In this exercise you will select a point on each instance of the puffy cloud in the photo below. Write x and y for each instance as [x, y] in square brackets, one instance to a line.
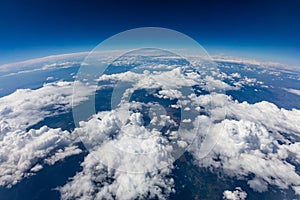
[21, 152]
[265, 113]
[237, 194]
[236, 81]
[124, 136]
[99, 182]
[36, 168]
[173, 84]
[249, 140]
[172, 79]
[236, 75]
[62, 154]
[213, 84]
[126, 160]
[26, 107]
[171, 94]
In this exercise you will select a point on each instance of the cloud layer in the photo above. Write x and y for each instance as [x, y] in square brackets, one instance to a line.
[250, 142]
[21, 152]
[258, 143]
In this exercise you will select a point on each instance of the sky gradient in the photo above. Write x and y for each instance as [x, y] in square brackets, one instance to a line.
[264, 30]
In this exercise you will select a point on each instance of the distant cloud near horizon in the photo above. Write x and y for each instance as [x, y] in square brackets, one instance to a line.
[43, 63]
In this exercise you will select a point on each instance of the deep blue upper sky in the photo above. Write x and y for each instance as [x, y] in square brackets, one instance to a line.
[266, 30]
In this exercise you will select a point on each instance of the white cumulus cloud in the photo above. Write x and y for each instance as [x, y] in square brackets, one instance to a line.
[237, 194]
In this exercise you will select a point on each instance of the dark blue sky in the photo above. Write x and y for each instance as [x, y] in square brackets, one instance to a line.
[266, 30]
